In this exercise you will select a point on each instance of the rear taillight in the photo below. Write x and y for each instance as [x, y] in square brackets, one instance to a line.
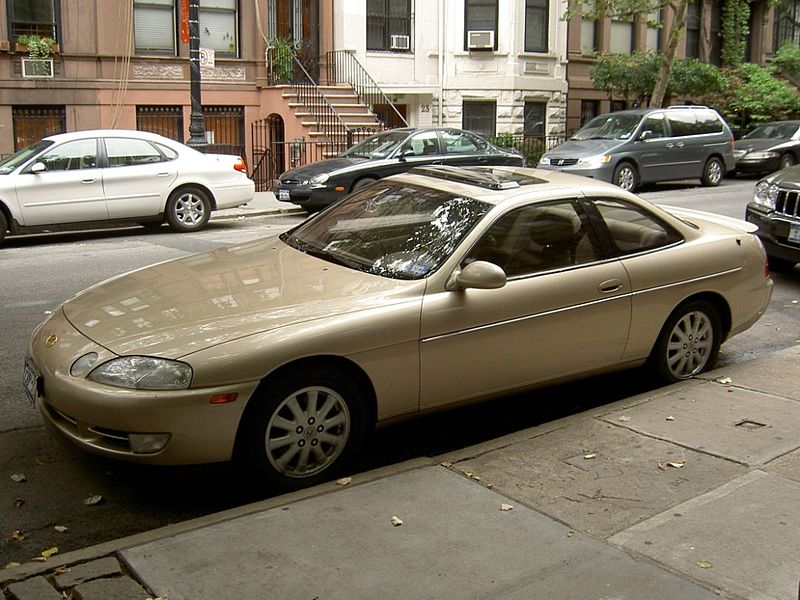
[240, 165]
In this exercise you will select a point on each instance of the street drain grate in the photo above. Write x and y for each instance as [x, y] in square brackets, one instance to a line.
[749, 425]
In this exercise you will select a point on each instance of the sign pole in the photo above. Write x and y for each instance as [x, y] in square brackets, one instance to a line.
[197, 132]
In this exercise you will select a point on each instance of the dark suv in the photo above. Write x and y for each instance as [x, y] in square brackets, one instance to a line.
[775, 208]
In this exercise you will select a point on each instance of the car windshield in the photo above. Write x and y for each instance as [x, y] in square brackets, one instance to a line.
[608, 127]
[393, 230]
[773, 131]
[12, 162]
[377, 146]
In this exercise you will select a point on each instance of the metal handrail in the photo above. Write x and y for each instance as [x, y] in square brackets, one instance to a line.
[343, 67]
[285, 68]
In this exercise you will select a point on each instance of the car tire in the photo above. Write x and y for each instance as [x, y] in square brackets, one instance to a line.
[188, 209]
[3, 227]
[362, 183]
[303, 429]
[713, 172]
[780, 265]
[626, 177]
[787, 160]
[688, 343]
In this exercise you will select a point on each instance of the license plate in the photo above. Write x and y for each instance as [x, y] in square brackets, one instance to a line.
[283, 195]
[794, 233]
[31, 379]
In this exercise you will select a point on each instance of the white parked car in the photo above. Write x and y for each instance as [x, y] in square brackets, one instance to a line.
[117, 175]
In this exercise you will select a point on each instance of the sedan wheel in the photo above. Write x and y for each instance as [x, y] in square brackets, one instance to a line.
[712, 172]
[689, 342]
[188, 209]
[787, 160]
[3, 227]
[304, 430]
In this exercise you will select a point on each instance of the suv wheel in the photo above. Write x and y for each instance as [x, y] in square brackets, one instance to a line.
[626, 177]
[713, 172]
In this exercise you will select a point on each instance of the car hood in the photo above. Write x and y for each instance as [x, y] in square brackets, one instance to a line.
[329, 166]
[787, 178]
[181, 306]
[756, 144]
[582, 148]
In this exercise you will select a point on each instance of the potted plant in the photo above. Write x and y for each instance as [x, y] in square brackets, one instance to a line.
[38, 63]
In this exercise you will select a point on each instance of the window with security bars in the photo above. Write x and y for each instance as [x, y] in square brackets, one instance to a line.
[479, 117]
[219, 26]
[787, 23]
[163, 120]
[224, 127]
[154, 26]
[480, 15]
[389, 25]
[536, 21]
[33, 17]
[535, 119]
[32, 123]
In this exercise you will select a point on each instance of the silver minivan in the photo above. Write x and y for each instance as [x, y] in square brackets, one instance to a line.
[632, 147]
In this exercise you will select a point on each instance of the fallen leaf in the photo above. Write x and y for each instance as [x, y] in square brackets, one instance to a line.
[344, 481]
[704, 564]
[60, 570]
[397, 521]
[506, 507]
[723, 380]
[589, 456]
[17, 535]
[678, 464]
[624, 419]
[570, 533]
[12, 564]
[39, 558]
[446, 463]
[60, 528]
[490, 485]
[19, 501]
[19, 478]
[49, 552]
[670, 418]
[93, 500]
[662, 466]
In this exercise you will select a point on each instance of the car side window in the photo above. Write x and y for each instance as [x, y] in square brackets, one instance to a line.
[633, 229]
[682, 122]
[538, 238]
[423, 144]
[656, 125]
[71, 156]
[125, 152]
[460, 142]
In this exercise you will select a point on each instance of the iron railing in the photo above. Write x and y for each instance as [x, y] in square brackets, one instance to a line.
[286, 69]
[343, 67]
[531, 146]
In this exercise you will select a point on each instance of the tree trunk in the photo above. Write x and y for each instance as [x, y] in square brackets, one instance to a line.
[676, 30]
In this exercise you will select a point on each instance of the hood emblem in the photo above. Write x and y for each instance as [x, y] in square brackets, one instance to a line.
[51, 341]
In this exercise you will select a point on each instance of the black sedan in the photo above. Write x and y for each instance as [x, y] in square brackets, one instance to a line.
[319, 184]
[769, 147]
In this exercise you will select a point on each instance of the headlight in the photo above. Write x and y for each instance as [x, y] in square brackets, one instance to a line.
[763, 155]
[594, 161]
[766, 194]
[144, 373]
[321, 178]
[545, 160]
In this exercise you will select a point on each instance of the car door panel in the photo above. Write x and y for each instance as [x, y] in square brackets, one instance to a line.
[69, 190]
[137, 179]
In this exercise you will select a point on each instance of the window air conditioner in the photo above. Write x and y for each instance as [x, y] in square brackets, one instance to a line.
[480, 40]
[37, 68]
[400, 42]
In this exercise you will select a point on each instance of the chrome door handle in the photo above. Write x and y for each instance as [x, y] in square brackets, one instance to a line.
[92, 180]
[610, 286]
[164, 174]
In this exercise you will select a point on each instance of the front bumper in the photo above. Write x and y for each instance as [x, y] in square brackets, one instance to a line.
[599, 173]
[308, 197]
[757, 166]
[773, 230]
[100, 418]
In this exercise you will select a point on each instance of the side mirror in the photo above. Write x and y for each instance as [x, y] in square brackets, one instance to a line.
[405, 152]
[646, 135]
[38, 167]
[480, 275]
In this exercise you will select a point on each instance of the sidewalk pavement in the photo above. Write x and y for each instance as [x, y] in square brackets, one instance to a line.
[687, 492]
[263, 203]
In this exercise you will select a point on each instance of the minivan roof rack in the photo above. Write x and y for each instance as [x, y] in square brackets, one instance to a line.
[485, 177]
